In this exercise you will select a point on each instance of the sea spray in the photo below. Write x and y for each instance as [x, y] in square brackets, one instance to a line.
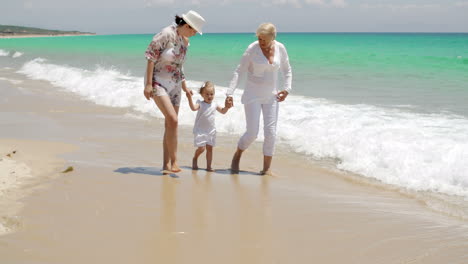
[4, 53]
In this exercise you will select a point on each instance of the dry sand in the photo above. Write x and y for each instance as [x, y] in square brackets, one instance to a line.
[117, 207]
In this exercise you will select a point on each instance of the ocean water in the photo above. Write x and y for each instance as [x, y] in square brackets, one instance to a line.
[390, 107]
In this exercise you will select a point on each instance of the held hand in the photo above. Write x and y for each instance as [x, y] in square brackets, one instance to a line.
[148, 92]
[229, 102]
[281, 96]
[189, 93]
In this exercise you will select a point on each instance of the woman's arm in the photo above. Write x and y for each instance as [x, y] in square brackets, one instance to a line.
[148, 92]
[184, 87]
[287, 74]
[238, 73]
[286, 69]
[152, 54]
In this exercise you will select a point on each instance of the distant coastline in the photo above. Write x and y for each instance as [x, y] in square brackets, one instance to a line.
[9, 31]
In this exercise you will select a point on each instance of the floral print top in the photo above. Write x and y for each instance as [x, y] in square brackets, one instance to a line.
[167, 50]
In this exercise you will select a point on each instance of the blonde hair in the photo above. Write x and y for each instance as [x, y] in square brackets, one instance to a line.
[266, 29]
[206, 85]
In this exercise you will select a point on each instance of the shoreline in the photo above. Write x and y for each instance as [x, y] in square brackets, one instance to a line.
[42, 35]
[116, 206]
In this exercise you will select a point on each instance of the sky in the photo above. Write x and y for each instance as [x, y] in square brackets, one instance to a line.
[149, 16]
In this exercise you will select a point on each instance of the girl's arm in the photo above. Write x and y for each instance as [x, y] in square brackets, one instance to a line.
[222, 110]
[193, 106]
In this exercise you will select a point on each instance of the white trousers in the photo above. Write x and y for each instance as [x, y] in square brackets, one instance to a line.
[252, 118]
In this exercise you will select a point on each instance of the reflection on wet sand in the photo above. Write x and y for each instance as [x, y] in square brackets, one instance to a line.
[227, 224]
[168, 244]
[201, 200]
[254, 214]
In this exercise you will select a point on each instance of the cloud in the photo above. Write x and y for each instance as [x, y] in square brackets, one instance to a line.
[263, 3]
[28, 5]
[461, 4]
[397, 7]
[294, 3]
[338, 3]
[315, 2]
[322, 3]
[192, 2]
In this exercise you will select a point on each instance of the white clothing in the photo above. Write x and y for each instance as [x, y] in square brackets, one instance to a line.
[252, 118]
[204, 129]
[262, 77]
[260, 92]
[201, 140]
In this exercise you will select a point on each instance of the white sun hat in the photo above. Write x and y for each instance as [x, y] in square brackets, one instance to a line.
[194, 20]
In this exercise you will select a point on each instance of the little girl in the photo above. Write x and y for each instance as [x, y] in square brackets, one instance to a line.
[204, 130]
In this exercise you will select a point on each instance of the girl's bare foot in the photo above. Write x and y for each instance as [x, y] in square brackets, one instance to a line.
[210, 169]
[194, 164]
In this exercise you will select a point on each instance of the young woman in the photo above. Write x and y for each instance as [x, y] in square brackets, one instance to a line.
[165, 78]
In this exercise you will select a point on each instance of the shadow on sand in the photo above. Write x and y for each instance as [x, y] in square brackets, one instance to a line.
[145, 170]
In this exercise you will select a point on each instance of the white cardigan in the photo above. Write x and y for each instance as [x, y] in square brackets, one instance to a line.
[262, 77]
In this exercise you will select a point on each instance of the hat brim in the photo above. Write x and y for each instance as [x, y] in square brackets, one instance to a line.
[190, 24]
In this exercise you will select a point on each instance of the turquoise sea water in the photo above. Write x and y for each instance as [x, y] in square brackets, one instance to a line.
[426, 71]
[387, 106]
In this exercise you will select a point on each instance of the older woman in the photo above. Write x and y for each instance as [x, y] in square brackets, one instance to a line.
[165, 78]
[262, 61]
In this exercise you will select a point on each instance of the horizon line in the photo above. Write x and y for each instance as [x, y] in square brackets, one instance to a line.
[313, 32]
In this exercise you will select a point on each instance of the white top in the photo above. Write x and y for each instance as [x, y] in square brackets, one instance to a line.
[262, 77]
[205, 120]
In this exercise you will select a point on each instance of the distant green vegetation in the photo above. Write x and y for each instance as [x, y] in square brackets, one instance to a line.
[17, 30]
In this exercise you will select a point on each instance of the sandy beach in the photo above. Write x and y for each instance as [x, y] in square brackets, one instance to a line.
[117, 207]
[24, 168]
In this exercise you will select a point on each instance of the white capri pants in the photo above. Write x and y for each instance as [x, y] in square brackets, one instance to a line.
[252, 118]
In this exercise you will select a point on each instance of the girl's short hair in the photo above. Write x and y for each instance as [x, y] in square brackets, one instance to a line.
[266, 29]
[206, 85]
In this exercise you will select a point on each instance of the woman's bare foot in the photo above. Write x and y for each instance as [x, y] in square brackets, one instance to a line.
[266, 172]
[235, 161]
[194, 164]
[210, 169]
[235, 164]
[175, 168]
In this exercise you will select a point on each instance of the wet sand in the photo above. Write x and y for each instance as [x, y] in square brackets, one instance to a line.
[117, 206]
[18, 179]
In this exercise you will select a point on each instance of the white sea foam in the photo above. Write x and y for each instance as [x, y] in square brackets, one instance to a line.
[17, 54]
[11, 80]
[414, 151]
[4, 53]
[422, 152]
[14, 54]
